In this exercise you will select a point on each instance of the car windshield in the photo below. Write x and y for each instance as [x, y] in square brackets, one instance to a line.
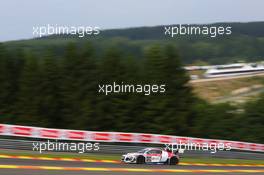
[142, 151]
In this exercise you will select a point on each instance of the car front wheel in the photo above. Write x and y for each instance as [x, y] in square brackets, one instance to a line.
[173, 161]
[140, 160]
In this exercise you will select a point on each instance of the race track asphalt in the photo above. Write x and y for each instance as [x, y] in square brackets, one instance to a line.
[26, 167]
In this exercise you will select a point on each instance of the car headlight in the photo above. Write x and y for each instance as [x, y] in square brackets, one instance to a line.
[131, 158]
[128, 158]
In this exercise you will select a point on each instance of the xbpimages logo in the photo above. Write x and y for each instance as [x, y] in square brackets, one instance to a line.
[212, 147]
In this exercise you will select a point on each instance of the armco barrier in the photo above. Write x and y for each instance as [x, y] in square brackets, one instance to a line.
[64, 134]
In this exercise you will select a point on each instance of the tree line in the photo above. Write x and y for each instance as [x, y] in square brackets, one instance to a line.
[244, 44]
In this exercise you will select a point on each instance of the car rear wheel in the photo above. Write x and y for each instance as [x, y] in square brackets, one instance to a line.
[140, 160]
[173, 161]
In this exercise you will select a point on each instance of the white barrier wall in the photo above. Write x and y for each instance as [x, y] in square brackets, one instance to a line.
[63, 134]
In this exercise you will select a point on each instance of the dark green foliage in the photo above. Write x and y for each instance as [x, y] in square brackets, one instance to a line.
[61, 91]
[253, 120]
[28, 100]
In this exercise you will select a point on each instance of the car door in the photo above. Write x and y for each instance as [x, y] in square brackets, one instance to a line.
[164, 156]
[153, 156]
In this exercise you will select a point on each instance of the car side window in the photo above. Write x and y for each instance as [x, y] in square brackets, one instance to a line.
[150, 152]
[154, 152]
[158, 151]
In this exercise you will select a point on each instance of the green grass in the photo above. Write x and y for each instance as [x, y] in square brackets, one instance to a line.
[117, 157]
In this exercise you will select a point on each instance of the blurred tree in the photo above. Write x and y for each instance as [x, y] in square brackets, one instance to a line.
[110, 107]
[252, 122]
[29, 93]
[5, 78]
[174, 106]
[50, 96]
[87, 88]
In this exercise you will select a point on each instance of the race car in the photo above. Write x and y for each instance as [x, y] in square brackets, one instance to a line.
[151, 155]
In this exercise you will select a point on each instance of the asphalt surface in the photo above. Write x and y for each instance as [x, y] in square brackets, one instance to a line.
[29, 171]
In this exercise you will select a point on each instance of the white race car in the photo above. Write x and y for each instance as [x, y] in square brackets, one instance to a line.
[151, 155]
